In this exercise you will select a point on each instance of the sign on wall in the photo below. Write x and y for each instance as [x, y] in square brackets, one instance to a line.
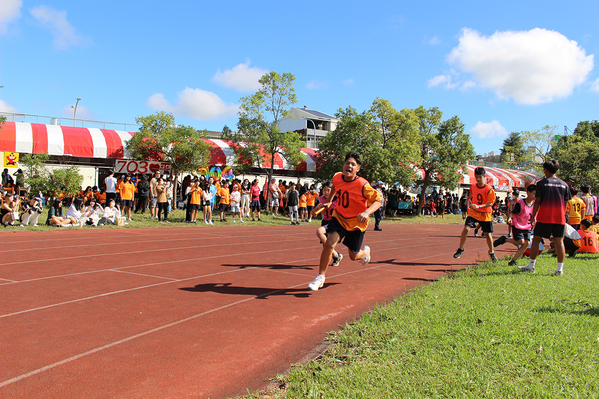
[126, 166]
[11, 159]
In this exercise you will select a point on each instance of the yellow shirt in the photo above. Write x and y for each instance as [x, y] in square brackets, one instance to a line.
[224, 195]
[127, 190]
[575, 210]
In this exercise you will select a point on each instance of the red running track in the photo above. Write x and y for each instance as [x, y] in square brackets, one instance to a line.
[189, 312]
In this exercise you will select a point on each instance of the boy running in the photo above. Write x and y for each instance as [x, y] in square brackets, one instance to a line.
[480, 208]
[549, 210]
[350, 217]
[521, 221]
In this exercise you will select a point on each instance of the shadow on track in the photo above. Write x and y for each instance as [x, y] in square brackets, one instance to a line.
[257, 292]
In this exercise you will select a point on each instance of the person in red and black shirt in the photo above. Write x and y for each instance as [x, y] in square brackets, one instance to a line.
[550, 212]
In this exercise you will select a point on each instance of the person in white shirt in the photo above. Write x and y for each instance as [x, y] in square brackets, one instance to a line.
[207, 195]
[110, 183]
[74, 211]
[110, 214]
[90, 214]
[235, 200]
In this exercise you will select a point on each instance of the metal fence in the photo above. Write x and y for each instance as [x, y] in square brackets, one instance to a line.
[62, 121]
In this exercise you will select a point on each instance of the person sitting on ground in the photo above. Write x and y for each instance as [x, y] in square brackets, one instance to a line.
[110, 214]
[521, 221]
[571, 241]
[9, 209]
[55, 217]
[90, 214]
[74, 211]
[588, 238]
[32, 209]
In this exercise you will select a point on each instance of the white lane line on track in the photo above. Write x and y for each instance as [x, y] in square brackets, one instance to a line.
[142, 274]
[130, 338]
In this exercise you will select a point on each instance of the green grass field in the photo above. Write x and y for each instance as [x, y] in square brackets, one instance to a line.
[486, 332]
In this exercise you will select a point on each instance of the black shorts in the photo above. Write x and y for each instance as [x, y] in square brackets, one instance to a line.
[128, 203]
[302, 209]
[351, 239]
[195, 207]
[206, 203]
[520, 234]
[310, 208]
[546, 230]
[486, 226]
[224, 207]
[324, 222]
[110, 196]
[255, 205]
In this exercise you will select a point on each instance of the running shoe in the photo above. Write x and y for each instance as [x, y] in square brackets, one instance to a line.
[365, 260]
[475, 233]
[500, 241]
[458, 253]
[317, 283]
[337, 260]
[513, 262]
[493, 257]
[558, 273]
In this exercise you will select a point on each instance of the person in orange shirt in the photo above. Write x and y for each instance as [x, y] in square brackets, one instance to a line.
[225, 195]
[480, 207]
[303, 207]
[575, 209]
[127, 189]
[310, 199]
[356, 201]
[588, 238]
[195, 200]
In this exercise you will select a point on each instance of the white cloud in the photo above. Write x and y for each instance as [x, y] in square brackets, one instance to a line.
[348, 82]
[83, 112]
[434, 41]
[491, 129]
[194, 103]
[241, 77]
[6, 107]
[595, 86]
[316, 85]
[532, 67]
[444, 80]
[56, 21]
[9, 10]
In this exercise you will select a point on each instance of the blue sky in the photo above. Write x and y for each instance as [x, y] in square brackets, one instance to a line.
[499, 66]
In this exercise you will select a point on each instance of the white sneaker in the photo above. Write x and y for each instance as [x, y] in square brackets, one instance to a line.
[558, 273]
[317, 283]
[366, 259]
[241, 220]
[211, 222]
[205, 221]
[234, 221]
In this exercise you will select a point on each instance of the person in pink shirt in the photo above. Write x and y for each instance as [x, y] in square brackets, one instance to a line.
[521, 220]
[255, 197]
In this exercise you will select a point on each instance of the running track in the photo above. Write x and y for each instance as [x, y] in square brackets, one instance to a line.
[189, 312]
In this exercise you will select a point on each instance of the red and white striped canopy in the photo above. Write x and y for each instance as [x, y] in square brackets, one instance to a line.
[502, 179]
[35, 138]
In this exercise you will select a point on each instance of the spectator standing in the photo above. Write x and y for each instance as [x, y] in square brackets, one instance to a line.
[378, 214]
[110, 183]
[127, 192]
[275, 196]
[235, 201]
[143, 192]
[162, 200]
[245, 198]
[255, 204]
[292, 200]
[154, 195]
[225, 196]
[195, 199]
[588, 201]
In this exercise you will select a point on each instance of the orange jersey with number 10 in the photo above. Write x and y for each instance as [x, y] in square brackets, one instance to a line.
[479, 196]
[353, 198]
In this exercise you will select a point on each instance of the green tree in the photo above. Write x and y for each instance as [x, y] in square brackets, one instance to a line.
[159, 138]
[258, 138]
[383, 136]
[578, 155]
[513, 150]
[39, 178]
[444, 151]
[539, 144]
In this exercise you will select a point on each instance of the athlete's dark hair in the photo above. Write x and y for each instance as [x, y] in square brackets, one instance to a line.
[532, 187]
[480, 171]
[326, 184]
[552, 166]
[573, 191]
[355, 156]
[584, 189]
[596, 219]
[586, 223]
